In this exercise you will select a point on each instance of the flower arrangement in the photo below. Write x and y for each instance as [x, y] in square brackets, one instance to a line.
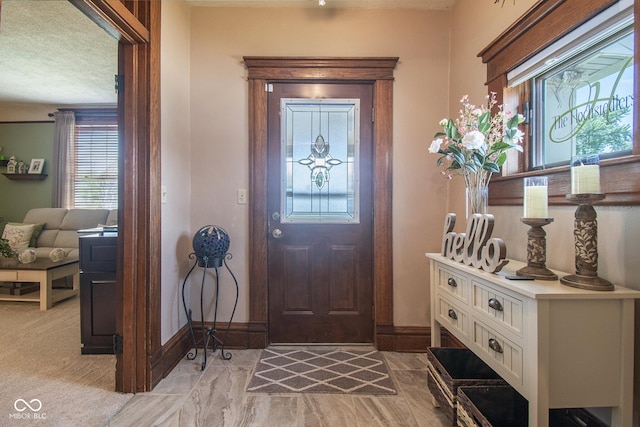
[475, 144]
[6, 250]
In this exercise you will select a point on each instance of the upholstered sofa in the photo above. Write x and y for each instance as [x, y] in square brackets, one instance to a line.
[58, 227]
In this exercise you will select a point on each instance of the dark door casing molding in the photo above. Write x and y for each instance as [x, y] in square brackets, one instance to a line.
[136, 24]
[265, 70]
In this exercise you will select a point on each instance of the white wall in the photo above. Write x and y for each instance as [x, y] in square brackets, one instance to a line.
[220, 37]
[176, 161]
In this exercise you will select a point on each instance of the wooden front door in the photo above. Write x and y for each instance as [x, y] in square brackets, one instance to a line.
[320, 213]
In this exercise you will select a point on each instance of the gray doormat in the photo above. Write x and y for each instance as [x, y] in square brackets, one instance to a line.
[321, 371]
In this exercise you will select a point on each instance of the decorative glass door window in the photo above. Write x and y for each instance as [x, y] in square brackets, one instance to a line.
[319, 158]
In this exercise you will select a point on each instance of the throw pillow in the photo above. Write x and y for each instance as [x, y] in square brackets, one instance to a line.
[37, 229]
[18, 236]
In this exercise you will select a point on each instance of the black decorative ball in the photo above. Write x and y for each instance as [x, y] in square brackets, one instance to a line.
[210, 245]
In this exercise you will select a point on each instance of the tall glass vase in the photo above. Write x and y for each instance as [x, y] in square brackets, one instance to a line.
[477, 199]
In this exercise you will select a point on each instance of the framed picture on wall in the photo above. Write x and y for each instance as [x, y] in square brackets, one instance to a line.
[36, 166]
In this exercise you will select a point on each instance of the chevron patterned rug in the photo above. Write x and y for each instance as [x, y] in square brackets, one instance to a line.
[321, 371]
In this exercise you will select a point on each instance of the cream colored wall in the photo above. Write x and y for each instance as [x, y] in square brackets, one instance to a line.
[219, 122]
[176, 160]
[474, 25]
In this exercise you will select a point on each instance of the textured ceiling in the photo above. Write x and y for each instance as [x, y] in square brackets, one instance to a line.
[50, 53]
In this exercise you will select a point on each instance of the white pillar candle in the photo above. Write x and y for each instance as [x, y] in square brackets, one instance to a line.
[536, 198]
[585, 179]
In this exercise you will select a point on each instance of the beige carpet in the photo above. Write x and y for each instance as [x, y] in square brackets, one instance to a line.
[44, 380]
[321, 371]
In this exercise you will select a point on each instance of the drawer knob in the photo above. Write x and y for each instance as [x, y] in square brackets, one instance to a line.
[495, 345]
[453, 314]
[452, 282]
[495, 304]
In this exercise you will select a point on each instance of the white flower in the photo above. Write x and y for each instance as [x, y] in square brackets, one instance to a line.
[435, 145]
[516, 139]
[476, 112]
[443, 122]
[473, 140]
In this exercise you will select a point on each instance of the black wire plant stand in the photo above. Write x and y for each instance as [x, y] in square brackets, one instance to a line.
[209, 334]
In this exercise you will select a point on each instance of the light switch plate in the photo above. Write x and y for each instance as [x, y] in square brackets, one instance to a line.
[242, 196]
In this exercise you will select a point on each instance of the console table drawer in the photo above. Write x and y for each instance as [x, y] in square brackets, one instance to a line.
[533, 334]
[454, 284]
[506, 353]
[505, 309]
[452, 317]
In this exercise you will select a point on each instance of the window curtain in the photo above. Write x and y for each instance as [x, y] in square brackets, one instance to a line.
[63, 155]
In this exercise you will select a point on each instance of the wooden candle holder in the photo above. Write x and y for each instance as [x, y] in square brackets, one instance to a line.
[585, 232]
[537, 250]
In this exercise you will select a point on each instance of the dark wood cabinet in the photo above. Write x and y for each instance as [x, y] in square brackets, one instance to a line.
[97, 293]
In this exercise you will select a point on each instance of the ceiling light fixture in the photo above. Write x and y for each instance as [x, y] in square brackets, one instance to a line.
[321, 2]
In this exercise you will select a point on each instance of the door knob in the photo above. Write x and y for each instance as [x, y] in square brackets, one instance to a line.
[276, 233]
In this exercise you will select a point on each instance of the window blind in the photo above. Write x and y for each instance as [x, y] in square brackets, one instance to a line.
[96, 159]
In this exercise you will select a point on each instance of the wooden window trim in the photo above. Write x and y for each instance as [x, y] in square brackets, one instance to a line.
[544, 23]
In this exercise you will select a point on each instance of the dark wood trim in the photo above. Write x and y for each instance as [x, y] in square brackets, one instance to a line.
[383, 209]
[416, 339]
[153, 322]
[25, 176]
[262, 70]
[411, 339]
[616, 180]
[167, 357]
[540, 26]
[258, 307]
[405, 339]
[544, 23]
[271, 68]
[114, 17]
[137, 25]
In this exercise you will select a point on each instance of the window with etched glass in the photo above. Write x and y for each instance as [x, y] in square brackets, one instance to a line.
[582, 90]
[320, 179]
[586, 105]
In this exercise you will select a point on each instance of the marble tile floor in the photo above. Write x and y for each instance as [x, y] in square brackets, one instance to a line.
[217, 397]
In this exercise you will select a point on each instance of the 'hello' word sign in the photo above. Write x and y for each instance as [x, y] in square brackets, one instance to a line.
[475, 247]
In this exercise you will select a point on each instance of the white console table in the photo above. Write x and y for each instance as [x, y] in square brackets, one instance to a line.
[558, 346]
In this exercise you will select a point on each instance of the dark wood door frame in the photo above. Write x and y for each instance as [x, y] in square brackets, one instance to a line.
[136, 24]
[265, 70]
